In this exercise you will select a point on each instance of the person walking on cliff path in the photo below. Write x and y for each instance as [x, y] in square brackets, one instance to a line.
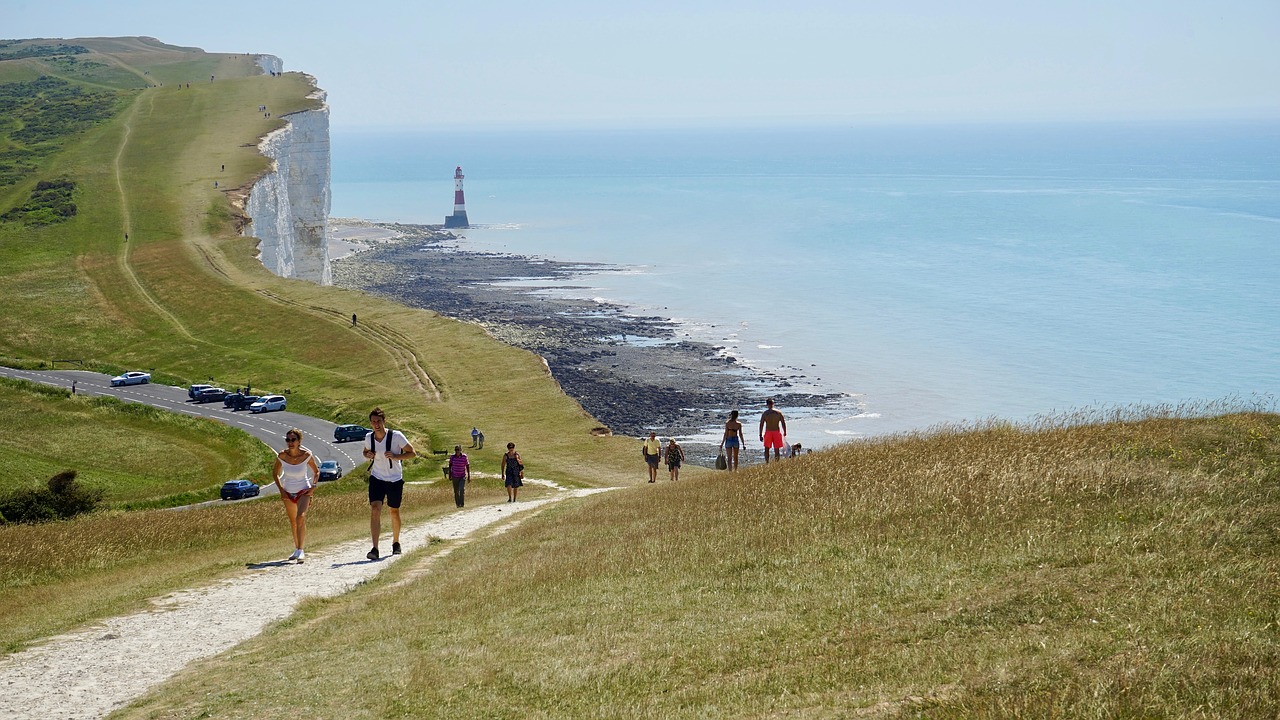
[296, 485]
[386, 450]
[459, 474]
[675, 456]
[773, 431]
[651, 449]
[475, 437]
[512, 472]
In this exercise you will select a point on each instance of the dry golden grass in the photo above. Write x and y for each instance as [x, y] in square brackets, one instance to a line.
[55, 576]
[1123, 569]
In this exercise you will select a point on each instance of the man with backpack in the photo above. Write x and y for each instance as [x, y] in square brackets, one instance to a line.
[386, 450]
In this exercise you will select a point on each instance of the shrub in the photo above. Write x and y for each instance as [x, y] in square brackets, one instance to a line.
[61, 498]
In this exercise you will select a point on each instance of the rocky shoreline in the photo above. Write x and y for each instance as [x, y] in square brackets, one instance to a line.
[634, 374]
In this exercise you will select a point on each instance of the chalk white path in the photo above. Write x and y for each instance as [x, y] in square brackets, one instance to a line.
[89, 673]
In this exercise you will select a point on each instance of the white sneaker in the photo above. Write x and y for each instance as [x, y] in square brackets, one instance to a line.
[296, 554]
[299, 555]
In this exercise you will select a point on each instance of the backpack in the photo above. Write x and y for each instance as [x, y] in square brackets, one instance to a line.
[373, 441]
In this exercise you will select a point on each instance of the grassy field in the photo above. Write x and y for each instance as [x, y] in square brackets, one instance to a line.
[1088, 567]
[57, 576]
[132, 452]
[185, 295]
[1125, 569]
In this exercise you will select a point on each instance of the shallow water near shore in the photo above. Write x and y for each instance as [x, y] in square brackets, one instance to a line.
[929, 275]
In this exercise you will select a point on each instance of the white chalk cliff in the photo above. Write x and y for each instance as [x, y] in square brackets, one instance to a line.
[288, 207]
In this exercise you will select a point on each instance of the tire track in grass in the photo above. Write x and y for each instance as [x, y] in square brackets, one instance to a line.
[391, 341]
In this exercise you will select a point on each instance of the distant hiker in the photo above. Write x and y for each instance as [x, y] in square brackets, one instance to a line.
[773, 428]
[296, 485]
[73, 387]
[733, 440]
[651, 449]
[224, 168]
[353, 319]
[512, 472]
[386, 450]
[481, 441]
[459, 474]
[675, 456]
[475, 437]
[126, 237]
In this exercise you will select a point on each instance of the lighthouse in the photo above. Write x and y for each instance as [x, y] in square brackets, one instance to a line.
[459, 217]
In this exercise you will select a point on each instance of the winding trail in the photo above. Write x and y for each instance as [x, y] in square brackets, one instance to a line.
[125, 248]
[90, 673]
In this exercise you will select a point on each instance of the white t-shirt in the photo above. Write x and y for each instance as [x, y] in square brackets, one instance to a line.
[383, 469]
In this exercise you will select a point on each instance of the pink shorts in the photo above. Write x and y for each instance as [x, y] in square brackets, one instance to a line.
[773, 440]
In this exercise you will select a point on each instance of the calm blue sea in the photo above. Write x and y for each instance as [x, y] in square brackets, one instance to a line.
[932, 274]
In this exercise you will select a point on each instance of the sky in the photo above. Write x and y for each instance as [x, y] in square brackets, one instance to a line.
[517, 63]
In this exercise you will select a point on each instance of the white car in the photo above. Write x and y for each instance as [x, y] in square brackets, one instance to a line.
[131, 378]
[268, 403]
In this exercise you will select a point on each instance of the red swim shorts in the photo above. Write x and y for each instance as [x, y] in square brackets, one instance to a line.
[773, 440]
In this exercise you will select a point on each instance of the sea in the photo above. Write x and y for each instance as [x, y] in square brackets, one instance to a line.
[928, 275]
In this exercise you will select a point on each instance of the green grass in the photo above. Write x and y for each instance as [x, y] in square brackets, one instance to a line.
[131, 452]
[1124, 569]
[1076, 569]
[185, 295]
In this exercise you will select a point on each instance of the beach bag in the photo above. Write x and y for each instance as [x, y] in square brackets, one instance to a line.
[722, 463]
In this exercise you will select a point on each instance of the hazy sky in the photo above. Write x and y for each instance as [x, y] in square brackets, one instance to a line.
[523, 63]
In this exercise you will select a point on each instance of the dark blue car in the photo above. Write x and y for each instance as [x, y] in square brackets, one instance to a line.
[343, 433]
[237, 489]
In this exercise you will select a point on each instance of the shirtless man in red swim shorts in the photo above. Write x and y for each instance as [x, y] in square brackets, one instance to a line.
[772, 429]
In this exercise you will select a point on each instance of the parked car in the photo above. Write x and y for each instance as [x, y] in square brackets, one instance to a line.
[236, 489]
[267, 403]
[213, 394]
[191, 391]
[239, 401]
[133, 377]
[343, 433]
[330, 470]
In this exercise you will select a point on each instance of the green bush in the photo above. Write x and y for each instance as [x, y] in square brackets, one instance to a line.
[61, 498]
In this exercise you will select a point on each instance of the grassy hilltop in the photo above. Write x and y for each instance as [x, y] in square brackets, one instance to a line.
[1087, 567]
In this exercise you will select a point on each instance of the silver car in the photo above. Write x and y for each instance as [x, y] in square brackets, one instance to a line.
[268, 403]
[132, 377]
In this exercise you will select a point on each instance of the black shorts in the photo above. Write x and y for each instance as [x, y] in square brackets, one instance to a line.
[390, 492]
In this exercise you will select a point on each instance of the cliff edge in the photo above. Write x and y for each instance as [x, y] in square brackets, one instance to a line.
[288, 207]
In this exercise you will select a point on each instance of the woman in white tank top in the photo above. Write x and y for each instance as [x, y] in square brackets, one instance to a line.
[295, 484]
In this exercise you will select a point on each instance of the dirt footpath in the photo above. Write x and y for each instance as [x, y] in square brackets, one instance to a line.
[91, 672]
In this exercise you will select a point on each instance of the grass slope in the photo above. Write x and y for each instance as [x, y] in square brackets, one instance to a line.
[185, 295]
[132, 452]
[1125, 569]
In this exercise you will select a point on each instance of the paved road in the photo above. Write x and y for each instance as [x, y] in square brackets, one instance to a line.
[267, 427]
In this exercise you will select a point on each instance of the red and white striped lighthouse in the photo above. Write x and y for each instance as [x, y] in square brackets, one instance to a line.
[459, 217]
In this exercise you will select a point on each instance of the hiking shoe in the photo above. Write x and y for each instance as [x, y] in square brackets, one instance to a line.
[372, 554]
[299, 555]
[395, 548]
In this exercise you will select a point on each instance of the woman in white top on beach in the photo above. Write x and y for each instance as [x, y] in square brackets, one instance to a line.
[296, 485]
